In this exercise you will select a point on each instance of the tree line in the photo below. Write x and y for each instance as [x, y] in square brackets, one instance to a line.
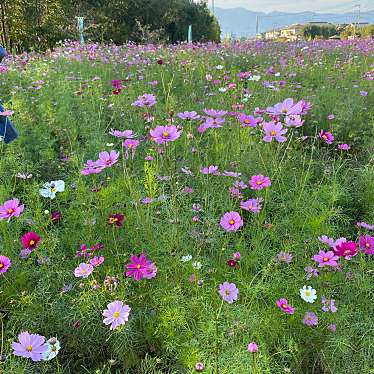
[40, 24]
[324, 32]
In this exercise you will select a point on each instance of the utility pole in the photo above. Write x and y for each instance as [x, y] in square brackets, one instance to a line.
[213, 7]
[257, 29]
[358, 17]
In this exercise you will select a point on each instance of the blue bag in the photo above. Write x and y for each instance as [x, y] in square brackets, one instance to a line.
[7, 131]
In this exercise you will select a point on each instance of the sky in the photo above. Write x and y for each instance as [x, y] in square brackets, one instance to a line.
[336, 6]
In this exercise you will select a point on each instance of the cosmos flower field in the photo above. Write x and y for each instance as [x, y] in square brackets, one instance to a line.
[190, 208]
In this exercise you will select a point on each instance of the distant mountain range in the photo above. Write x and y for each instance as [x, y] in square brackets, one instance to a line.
[242, 22]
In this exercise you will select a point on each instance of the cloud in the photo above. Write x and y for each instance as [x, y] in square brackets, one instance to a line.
[340, 6]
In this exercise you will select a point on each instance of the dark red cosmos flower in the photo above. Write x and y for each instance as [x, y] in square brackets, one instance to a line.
[231, 263]
[56, 216]
[117, 91]
[116, 219]
[160, 61]
[30, 240]
[346, 250]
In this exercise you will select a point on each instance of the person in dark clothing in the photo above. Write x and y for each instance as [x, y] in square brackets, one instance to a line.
[7, 131]
[3, 52]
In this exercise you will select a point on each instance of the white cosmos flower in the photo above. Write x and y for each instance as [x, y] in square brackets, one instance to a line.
[50, 188]
[196, 265]
[255, 78]
[308, 294]
[53, 346]
[186, 258]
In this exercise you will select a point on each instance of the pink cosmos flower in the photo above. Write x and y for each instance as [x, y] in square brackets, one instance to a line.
[231, 221]
[188, 116]
[30, 346]
[328, 305]
[97, 261]
[346, 250]
[293, 121]
[11, 208]
[5, 264]
[140, 267]
[165, 134]
[247, 121]
[252, 205]
[212, 169]
[326, 136]
[231, 174]
[365, 225]
[215, 113]
[146, 100]
[287, 107]
[367, 244]
[258, 182]
[229, 292]
[326, 259]
[130, 145]
[274, 131]
[83, 270]
[344, 147]
[285, 307]
[116, 314]
[107, 159]
[310, 319]
[211, 122]
[92, 167]
[128, 134]
[30, 240]
[252, 347]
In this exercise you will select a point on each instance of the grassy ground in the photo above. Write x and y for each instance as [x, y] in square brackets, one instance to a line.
[64, 109]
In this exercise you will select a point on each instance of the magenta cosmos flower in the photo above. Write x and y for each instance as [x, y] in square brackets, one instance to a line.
[229, 292]
[258, 182]
[30, 240]
[326, 136]
[140, 267]
[252, 205]
[344, 147]
[30, 346]
[11, 208]
[326, 259]
[274, 131]
[83, 270]
[5, 264]
[346, 250]
[116, 314]
[367, 244]
[116, 219]
[165, 134]
[285, 307]
[231, 221]
[107, 159]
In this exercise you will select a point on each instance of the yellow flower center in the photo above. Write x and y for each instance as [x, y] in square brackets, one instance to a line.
[10, 211]
[273, 133]
[231, 222]
[259, 182]
[227, 292]
[284, 110]
[284, 306]
[32, 242]
[1, 265]
[84, 271]
[53, 189]
[138, 266]
[325, 259]
[29, 348]
[116, 314]
[307, 293]
[367, 245]
[246, 121]
[165, 134]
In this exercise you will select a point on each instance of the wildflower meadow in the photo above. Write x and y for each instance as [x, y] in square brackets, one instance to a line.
[188, 208]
